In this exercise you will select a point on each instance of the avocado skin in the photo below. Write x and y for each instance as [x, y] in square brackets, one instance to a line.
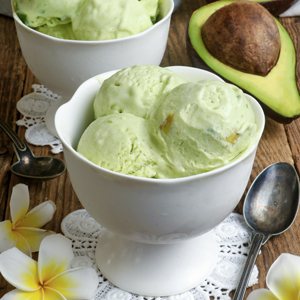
[198, 62]
[275, 7]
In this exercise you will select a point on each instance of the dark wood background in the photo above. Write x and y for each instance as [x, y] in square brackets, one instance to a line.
[280, 143]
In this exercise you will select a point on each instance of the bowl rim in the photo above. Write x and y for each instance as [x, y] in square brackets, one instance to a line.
[67, 41]
[241, 157]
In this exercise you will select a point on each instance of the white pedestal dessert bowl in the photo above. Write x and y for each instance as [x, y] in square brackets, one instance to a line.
[158, 238]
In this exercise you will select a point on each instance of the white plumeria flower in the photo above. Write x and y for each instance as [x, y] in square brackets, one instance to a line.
[283, 280]
[50, 278]
[24, 230]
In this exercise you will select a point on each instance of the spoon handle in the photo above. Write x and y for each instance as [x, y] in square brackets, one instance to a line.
[17, 141]
[257, 241]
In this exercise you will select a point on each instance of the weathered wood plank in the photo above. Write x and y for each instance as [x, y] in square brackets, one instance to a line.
[12, 68]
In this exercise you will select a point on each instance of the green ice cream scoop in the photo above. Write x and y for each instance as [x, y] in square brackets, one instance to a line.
[62, 31]
[122, 143]
[152, 7]
[134, 90]
[106, 20]
[203, 125]
[35, 13]
[89, 20]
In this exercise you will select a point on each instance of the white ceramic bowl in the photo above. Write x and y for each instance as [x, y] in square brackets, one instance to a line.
[158, 240]
[62, 65]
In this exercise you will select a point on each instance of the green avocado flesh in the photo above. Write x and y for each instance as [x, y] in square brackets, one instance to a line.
[277, 92]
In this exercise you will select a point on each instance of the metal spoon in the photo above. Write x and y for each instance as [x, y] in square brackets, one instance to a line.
[29, 166]
[270, 208]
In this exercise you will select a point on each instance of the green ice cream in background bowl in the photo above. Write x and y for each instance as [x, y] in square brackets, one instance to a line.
[89, 20]
[35, 13]
[190, 127]
[61, 31]
[106, 20]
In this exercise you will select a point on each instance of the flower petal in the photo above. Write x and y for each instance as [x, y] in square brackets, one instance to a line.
[55, 256]
[39, 216]
[22, 244]
[19, 270]
[19, 202]
[20, 295]
[7, 237]
[79, 283]
[33, 236]
[51, 294]
[261, 294]
[283, 277]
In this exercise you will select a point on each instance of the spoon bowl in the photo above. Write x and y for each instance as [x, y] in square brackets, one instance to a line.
[272, 202]
[270, 208]
[29, 166]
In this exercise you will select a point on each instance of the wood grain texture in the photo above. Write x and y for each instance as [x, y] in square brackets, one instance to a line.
[279, 142]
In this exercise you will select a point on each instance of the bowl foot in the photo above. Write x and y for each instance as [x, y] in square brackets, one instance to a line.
[156, 269]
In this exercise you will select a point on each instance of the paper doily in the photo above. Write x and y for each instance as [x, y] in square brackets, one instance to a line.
[232, 236]
[33, 107]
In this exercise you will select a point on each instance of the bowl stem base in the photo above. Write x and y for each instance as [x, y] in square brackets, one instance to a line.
[156, 269]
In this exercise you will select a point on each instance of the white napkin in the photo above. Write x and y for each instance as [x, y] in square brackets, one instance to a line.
[293, 11]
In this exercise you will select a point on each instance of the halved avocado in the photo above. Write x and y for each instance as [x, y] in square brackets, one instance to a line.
[277, 92]
[275, 7]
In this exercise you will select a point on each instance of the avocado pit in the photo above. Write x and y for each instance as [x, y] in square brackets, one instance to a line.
[244, 36]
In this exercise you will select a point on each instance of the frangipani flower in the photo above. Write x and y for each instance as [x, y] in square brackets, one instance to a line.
[23, 231]
[49, 278]
[283, 280]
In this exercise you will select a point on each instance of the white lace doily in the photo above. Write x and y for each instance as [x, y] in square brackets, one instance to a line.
[33, 107]
[232, 235]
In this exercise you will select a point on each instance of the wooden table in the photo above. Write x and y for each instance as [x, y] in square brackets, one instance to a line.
[280, 143]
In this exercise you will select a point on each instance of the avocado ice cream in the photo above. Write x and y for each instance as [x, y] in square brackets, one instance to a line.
[201, 126]
[89, 20]
[35, 13]
[106, 20]
[122, 143]
[134, 90]
[62, 31]
[192, 128]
